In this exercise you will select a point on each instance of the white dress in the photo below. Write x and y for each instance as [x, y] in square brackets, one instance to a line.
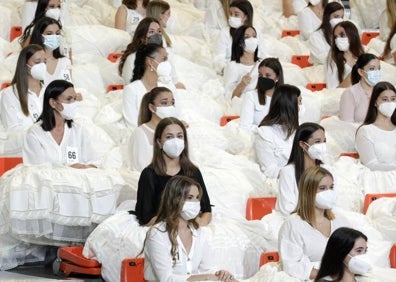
[132, 20]
[301, 247]
[252, 112]
[141, 147]
[331, 73]
[233, 74]
[288, 191]
[127, 69]
[62, 71]
[319, 48]
[376, 147]
[222, 49]
[272, 149]
[308, 22]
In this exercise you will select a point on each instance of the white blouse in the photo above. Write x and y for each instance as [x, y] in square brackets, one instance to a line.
[158, 264]
[141, 147]
[319, 48]
[233, 74]
[127, 69]
[252, 112]
[132, 21]
[222, 49]
[308, 22]
[132, 98]
[62, 71]
[331, 73]
[376, 147]
[76, 147]
[272, 149]
[288, 190]
[12, 117]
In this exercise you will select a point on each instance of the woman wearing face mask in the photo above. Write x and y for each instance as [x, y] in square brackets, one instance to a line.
[309, 150]
[152, 69]
[47, 34]
[355, 100]
[346, 47]
[21, 103]
[175, 238]
[56, 139]
[255, 103]
[45, 8]
[240, 13]
[170, 158]
[304, 234]
[310, 18]
[376, 139]
[345, 256]
[129, 14]
[148, 31]
[320, 40]
[276, 131]
[156, 105]
[240, 75]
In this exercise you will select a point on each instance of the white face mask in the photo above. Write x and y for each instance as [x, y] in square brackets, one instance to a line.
[69, 110]
[326, 199]
[387, 108]
[235, 22]
[251, 44]
[314, 2]
[190, 210]
[164, 112]
[335, 21]
[52, 41]
[38, 71]
[170, 23]
[342, 43]
[373, 77]
[53, 13]
[317, 151]
[359, 264]
[301, 111]
[164, 69]
[173, 147]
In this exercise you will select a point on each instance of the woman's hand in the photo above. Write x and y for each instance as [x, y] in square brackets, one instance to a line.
[83, 166]
[246, 79]
[223, 275]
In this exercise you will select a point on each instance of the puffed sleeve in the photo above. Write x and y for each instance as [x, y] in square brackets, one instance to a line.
[319, 47]
[231, 79]
[33, 151]
[140, 150]
[365, 147]
[294, 261]
[288, 193]
[145, 209]
[130, 104]
[205, 201]
[347, 106]
[246, 121]
[265, 147]
[331, 72]
[127, 69]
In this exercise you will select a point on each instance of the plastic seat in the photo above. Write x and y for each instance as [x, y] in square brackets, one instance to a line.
[316, 86]
[392, 256]
[5, 85]
[325, 117]
[114, 87]
[113, 57]
[7, 163]
[354, 155]
[368, 35]
[290, 32]
[301, 61]
[225, 119]
[267, 257]
[132, 270]
[369, 198]
[256, 208]
[70, 260]
[15, 32]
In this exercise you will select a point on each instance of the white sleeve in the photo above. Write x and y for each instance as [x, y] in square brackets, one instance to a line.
[318, 47]
[140, 150]
[207, 262]
[127, 69]
[265, 148]
[130, 107]
[294, 261]
[331, 73]
[33, 151]
[288, 191]
[10, 110]
[305, 24]
[365, 147]
[157, 251]
[231, 79]
[223, 43]
[246, 121]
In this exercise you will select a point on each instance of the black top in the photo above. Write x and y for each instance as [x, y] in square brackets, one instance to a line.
[150, 190]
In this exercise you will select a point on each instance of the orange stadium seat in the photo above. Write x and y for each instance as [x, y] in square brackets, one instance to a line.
[369, 198]
[290, 32]
[15, 32]
[113, 57]
[354, 155]
[368, 35]
[256, 208]
[316, 86]
[7, 163]
[301, 61]
[225, 119]
[113, 87]
[132, 270]
[5, 85]
[267, 257]
[392, 256]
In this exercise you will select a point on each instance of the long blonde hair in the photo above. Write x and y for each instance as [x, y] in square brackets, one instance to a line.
[307, 187]
[156, 8]
[391, 12]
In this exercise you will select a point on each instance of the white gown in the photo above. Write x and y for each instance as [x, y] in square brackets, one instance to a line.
[332, 74]
[140, 150]
[252, 112]
[308, 22]
[319, 47]
[62, 71]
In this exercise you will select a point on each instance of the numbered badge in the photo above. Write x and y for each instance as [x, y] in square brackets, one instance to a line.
[71, 155]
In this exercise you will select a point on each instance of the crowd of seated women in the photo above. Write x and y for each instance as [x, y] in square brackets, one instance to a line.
[147, 170]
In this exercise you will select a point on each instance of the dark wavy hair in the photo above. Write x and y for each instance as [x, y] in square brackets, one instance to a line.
[144, 52]
[37, 37]
[275, 65]
[238, 44]
[326, 26]
[361, 62]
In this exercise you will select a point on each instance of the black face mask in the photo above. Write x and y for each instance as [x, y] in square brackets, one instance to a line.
[265, 83]
[155, 39]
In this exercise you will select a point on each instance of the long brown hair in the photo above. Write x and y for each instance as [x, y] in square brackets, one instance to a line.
[156, 8]
[20, 79]
[144, 113]
[387, 48]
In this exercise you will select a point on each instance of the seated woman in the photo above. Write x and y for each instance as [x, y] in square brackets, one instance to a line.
[389, 54]
[304, 234]
[148, 31]
[156, 105]
[309, 149]
[56, 139]
[47, 34]
[276, 131]
[255, 103]
[240, 13]
[355, 100]
[240, 75]
[175, 238]
[320, 40]
[310, 18]
[21, 103]
[170, 158]
[152, 69]
[375, 140]
[129, 14]
[346, 47]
